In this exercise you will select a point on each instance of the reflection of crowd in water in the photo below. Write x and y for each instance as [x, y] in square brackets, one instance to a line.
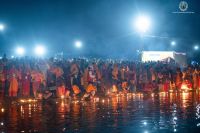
[84, 78]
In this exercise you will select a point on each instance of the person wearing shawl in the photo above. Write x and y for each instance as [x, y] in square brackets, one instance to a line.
[37, 80]
[26, 81]
[13, 79]
[90, 91]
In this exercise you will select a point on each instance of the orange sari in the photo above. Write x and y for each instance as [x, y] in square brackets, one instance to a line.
[13, 88]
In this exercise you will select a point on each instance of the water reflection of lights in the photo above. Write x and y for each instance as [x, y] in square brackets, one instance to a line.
[145, 123]
[198, 111]
[185, 97]
[123, 111]
[62, 104]
[174, 117]
[198, 114]
[28, 100]
[29, 110]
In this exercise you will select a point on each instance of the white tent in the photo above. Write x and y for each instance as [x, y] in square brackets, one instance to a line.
[179, 58]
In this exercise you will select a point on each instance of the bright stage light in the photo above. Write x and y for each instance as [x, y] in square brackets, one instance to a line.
[142, 24]
[173, 43]
[196, 47]
[78, 44]
[2, 27]
[20, 51]
[40, 50]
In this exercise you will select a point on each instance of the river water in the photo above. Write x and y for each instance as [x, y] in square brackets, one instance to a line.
[132, 113]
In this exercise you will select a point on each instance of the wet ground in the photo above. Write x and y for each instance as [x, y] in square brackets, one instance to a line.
[133, 113]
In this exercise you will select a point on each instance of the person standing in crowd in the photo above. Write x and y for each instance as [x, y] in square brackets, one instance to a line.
[26, 81]
[13, 80]
[37, 80]
[92, 79]
[2, 77]
[132, 78]
[195, 76]
[74, 72]
[115, 80]
[89, 77]
[179, 76]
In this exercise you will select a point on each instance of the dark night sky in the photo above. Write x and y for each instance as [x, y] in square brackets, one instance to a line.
[104, 26]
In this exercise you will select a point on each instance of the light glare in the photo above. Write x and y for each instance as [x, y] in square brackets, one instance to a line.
[20, 51]
[196, 47]
[173, 43]
[2, 27]
[40, 50]
[78, 44]
[142, 24]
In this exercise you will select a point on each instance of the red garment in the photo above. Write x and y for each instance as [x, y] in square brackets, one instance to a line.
[198, 82]
[36, 86]
[166, 86]
[148, 87]
[13, 88]
[26, 79]
[60, 91]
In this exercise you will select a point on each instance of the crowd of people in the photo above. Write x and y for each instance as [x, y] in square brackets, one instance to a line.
[85, 78]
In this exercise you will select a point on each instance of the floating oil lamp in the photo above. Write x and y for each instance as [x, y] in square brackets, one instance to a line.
[22, 101]
[103, 101]
[76, 101]
[29, 100]
[2, 110]
[62, 97]
[96, 99]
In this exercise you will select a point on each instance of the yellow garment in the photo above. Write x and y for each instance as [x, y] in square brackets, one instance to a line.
[90, 88]
[114, 88]
[76, 89]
